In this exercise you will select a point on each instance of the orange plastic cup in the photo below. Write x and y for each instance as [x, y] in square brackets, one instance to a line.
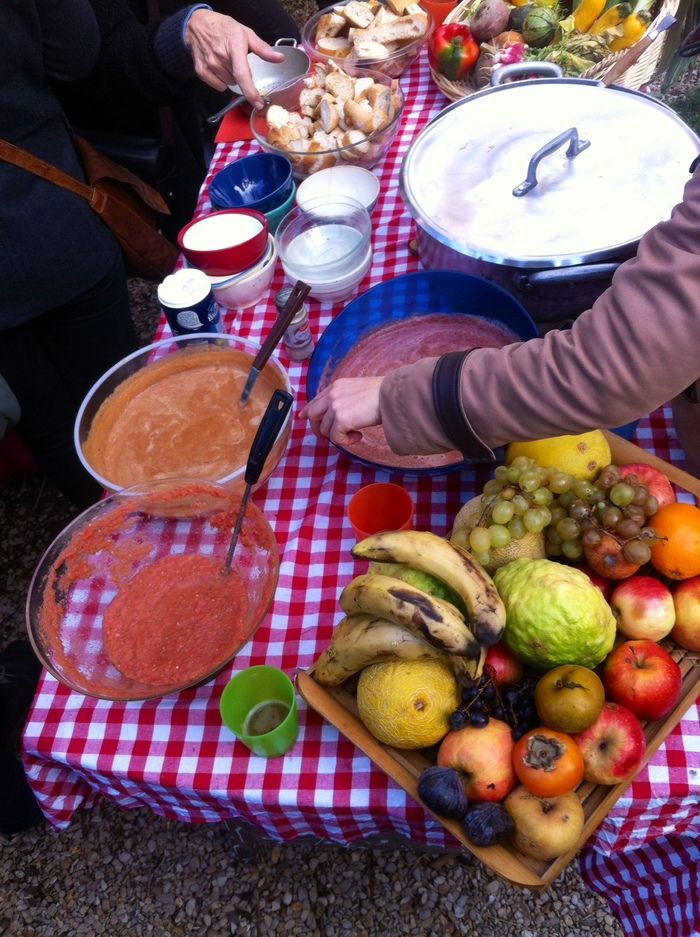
[378, 507]
[438, 9]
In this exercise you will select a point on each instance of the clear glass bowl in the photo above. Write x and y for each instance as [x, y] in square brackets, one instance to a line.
[186, 429]
[393, 65]
[366, 153]
[101, 551]
[326, 243]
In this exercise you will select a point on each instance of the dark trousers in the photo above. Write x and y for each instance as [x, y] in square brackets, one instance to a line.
[52, 361]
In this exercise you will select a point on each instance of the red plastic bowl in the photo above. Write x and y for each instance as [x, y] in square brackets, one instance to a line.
[225, 242]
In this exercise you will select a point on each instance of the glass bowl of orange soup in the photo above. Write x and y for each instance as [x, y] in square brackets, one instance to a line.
[131, 600]
[171, 410]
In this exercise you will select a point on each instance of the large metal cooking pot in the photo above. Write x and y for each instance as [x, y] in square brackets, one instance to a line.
[544, 186]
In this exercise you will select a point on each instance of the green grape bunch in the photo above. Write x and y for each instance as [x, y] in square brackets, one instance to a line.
[571, 514]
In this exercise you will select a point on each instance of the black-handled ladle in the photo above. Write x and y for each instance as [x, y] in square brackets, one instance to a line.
[268, 431]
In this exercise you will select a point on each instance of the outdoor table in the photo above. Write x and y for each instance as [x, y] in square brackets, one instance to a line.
[173, 754]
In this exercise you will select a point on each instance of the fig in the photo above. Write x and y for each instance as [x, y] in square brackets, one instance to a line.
[488, 824]
[441, 791]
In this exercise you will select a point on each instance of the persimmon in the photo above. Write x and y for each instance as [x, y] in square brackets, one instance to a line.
[676, 553]
[548, 763]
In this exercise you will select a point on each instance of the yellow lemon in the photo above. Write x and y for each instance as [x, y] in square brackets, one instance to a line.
[581, 456]
[407, 704]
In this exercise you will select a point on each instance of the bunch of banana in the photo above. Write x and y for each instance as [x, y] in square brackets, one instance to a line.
[388, 618]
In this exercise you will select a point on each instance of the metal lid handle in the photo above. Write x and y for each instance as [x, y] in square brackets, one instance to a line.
[576, 146]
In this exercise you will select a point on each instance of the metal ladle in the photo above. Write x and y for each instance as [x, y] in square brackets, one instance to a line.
[268, 431]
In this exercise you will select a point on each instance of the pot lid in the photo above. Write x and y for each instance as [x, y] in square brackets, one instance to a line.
[459, 174]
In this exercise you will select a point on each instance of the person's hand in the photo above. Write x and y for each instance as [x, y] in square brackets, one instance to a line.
[220, 45]
[344, 407]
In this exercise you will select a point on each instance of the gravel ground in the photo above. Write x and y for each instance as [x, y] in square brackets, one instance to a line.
[117, 872]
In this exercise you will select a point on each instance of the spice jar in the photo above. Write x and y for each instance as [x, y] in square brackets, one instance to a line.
[298, 339]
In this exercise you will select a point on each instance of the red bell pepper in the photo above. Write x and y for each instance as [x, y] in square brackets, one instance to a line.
[453, 51]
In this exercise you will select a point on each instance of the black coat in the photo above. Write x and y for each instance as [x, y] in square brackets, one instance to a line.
[52, 245]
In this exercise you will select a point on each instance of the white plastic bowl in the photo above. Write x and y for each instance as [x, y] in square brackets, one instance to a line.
[351, 181]
[243, 290]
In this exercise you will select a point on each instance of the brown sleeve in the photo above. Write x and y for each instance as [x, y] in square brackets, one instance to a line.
[635, 349]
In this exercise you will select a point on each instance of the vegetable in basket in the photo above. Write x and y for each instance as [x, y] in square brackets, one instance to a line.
[586, 12]
[612, 17]
[489, 19]
[453, 50]
[633, 28]
[504, 49]
[540, 26]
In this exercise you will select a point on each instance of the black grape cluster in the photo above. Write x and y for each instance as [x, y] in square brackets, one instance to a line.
[514, 705]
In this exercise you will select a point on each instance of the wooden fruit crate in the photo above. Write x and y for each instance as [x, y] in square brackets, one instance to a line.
[338, 706]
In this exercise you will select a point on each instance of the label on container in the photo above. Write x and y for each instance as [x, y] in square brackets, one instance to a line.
[188, 303]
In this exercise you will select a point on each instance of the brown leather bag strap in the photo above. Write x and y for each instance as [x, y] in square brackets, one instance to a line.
[19, 157]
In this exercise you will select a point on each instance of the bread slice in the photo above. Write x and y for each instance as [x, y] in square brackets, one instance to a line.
[399, 6]
[358, 13]
[335, 45]
[404, 27]
[330, 24]
[368, 49]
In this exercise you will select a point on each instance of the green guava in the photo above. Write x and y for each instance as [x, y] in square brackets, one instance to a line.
[419, 580]
[554, 614]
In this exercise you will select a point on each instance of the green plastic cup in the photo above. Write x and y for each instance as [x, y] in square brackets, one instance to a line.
[259, 706]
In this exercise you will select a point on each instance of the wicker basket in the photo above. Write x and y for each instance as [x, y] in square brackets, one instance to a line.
[634, 77]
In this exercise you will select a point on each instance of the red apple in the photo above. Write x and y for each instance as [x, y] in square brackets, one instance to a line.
[503, 667]
[655, 481]
[642, 676]
[643, 607]
[686, 600]
[614, 747]
[605, 585]
[484, 758]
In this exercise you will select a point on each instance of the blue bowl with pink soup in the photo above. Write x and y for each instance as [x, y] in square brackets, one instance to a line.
[413, 316]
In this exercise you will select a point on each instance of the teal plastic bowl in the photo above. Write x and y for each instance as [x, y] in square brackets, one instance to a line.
[277, 214]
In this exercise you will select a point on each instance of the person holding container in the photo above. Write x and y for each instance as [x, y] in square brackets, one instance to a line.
[635, 349]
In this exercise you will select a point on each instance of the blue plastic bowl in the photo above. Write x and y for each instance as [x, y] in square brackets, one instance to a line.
[261, 181]
[414, 294]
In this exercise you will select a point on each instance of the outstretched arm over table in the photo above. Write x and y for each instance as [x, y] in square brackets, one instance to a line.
[635, 349]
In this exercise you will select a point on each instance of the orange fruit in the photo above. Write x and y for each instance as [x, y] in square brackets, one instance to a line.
[677, 554]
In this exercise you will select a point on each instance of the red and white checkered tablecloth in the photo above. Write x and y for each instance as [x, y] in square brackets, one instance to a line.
[174, 756]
